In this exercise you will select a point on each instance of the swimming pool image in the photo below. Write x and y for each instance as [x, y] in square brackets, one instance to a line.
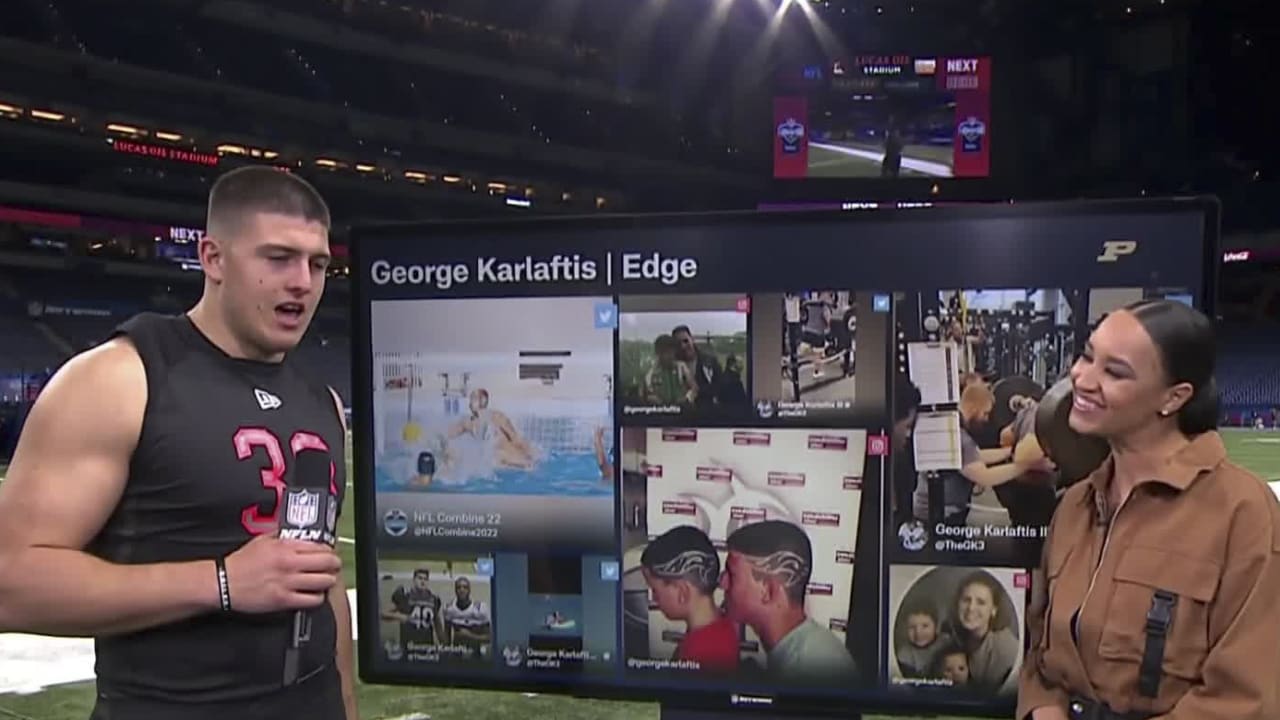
[493, 397]
[569, 451]
[556, 474]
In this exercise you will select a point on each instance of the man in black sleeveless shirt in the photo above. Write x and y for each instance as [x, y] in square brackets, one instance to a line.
[417, 609]
[142, 503]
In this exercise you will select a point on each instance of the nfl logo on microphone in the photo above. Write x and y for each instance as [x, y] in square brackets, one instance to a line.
[304, 508]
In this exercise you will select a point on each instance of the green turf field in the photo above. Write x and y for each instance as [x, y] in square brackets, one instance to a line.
[828, 163]
[1258, 451]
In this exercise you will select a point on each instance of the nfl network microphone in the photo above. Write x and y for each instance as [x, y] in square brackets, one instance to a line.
[310, 513]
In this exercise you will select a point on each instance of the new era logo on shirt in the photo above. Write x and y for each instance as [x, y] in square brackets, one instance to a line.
[266, 400]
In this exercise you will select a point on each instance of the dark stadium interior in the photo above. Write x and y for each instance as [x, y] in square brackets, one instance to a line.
[117, 115]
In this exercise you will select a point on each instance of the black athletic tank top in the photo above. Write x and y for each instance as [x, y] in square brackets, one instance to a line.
[218, 438]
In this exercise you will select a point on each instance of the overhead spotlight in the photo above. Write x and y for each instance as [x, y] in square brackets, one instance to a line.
[124, 129]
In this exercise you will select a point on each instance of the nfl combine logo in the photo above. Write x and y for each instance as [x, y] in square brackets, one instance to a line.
[790, 132]
[971, 132]
[304, 508]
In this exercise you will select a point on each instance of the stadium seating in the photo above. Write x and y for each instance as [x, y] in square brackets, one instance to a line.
[54, 316]
[475, 34]
[1248, 371]
[26, 350]
[20, 20]
[177, 41]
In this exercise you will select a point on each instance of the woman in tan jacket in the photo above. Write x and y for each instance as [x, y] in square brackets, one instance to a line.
[1163, 566]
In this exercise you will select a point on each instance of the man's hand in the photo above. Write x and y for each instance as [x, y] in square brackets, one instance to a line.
[268, 574]
[1043, 465]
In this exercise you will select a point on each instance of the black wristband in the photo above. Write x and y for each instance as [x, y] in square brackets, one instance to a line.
[224, 587]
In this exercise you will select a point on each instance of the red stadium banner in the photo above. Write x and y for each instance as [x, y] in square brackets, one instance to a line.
[790, 137]
[969, 79]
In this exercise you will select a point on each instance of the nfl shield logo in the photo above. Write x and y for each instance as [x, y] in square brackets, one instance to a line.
[304, 508]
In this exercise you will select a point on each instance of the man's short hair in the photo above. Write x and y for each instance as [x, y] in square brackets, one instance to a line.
[681, 329]
[684, 553]
[977, 397]
[242, 192]
[777, 550]
[424, 572]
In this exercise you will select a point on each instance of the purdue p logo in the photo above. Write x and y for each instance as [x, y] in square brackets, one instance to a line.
[1113, 250]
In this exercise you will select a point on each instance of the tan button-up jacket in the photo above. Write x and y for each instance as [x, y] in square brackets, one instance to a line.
[1206, 531]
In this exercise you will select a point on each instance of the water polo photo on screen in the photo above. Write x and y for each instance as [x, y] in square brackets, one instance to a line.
[499, 397]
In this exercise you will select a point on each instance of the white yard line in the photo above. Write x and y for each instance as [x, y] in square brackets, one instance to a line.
[31, 663]
[922, 166]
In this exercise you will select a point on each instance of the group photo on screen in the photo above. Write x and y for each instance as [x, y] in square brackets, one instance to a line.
[738, 549]
[972, 482]
[493, 396]
[436, 609]
[683, 355]
[957, 630]
[804, 348]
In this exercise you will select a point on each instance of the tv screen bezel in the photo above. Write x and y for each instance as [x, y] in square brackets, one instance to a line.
[364, 492]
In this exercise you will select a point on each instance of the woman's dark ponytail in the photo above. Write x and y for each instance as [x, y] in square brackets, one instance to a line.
[1185, 339]
[1200, 414]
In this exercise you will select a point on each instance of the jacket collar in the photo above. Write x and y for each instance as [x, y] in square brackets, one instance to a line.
[1202, 454]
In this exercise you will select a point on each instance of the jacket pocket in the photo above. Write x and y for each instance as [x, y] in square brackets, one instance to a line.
[1141, 572]
[1055, 563]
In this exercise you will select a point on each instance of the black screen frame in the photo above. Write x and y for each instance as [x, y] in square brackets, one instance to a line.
[364, 491]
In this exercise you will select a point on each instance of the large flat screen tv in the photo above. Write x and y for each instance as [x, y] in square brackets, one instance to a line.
[668, 457]
[884, 116]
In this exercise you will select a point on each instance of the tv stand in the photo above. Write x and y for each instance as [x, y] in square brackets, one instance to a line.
[670, 712]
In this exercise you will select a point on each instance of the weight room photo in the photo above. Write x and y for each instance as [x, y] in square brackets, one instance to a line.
[696, 360]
